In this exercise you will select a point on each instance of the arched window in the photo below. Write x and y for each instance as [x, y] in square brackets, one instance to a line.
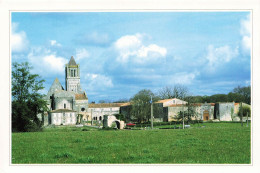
[82, 109]
[100, 118]
[64, 105]
[74, 73]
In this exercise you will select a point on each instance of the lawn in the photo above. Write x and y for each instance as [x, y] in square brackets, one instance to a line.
[225, 143]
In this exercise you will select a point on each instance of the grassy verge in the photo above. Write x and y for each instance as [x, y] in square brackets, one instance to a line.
[214, 143]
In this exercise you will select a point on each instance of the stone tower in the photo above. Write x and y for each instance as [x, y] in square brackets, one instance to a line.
[72, 76]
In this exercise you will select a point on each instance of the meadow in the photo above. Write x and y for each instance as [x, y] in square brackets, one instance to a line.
[211, 143]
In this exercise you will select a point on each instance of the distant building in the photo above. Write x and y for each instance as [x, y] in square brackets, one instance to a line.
[171, 108]
[97, 111]
[173, 101]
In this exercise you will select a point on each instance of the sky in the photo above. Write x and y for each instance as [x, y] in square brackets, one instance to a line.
[121, 53]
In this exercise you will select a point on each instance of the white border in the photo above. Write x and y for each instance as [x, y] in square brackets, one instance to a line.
[121, 5]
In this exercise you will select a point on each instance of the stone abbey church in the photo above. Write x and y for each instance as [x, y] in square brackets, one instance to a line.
[66, 104]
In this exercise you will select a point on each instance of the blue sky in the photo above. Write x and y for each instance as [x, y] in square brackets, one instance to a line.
[121, 53]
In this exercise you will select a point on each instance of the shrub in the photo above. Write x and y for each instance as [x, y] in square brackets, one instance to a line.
[246, 109]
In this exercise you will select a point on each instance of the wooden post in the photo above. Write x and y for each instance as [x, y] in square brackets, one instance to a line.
[182, 120]
[247, 119]
[241, 114]
[92, 117]
[182, 117]
[151, 113]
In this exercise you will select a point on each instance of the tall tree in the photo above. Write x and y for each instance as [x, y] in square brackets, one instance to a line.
[27, 102]
[189, 110]
[177, 91]
[245, 92]
[141, 106]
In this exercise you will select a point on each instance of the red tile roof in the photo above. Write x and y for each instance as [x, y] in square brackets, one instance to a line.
[106, 105]
[165, 100]
[80, 97]
[62, 110]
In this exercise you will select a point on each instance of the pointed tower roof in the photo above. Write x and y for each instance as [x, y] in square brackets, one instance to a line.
[56, 86]
[72, 61]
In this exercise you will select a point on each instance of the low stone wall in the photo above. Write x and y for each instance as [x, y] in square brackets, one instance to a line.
[69, 118]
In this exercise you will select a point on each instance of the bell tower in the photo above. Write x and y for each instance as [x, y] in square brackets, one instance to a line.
[72, 76]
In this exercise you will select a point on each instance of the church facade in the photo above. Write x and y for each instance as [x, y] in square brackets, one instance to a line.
[66, 104]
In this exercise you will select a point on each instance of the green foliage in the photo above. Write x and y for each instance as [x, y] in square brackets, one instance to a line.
[27, 102]
[239, 94]
[79, 119]
[120, 117]
[245, 110]
[189, 112]
[216, 143]
[141, 106]
[244, 93]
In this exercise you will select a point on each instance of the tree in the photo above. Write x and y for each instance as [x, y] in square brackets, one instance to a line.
[177, 91]
[245, 110]
[120, 117]
[141, 106]
[236, 97]
[245, 92]
[124, 100]
[27, 102]
[189, 110]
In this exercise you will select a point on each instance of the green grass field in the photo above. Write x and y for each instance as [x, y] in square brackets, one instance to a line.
[225, 143]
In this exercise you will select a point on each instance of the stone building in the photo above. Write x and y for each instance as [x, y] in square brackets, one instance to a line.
[203, 111]
[173, 101]
[66, 104]
[170, 108]
[97, 111]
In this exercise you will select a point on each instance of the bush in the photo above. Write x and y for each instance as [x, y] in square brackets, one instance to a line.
[246, 109]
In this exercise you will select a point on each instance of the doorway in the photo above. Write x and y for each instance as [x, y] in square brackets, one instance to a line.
[206, 115]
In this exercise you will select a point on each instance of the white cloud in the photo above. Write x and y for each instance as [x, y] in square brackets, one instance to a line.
[19, 41]
[81, 54]
[54, 62]
[245, 31]
[131, 46]
[153, 48]
[220, 55]
[183, 78]
[129, 41]
[46, 62]
[55, 43]
[98, 81]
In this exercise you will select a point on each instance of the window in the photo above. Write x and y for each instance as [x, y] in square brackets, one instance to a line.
[71, 73]
[64, 105]
[82, 109]
[74, 73]
[100, 118]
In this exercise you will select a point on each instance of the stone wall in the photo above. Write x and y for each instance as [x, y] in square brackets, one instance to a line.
[110, 119]
[174, 111]
[206, 107]
[99, 113]
[63, 118]
[225, 111]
